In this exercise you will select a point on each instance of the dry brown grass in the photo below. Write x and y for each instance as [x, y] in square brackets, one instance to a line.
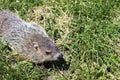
[41, 14]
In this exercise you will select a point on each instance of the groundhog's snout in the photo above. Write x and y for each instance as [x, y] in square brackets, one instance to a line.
[60, 56]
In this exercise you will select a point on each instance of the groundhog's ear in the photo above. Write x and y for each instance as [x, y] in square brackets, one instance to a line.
[36, 46]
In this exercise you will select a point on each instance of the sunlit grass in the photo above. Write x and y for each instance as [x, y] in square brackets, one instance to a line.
[87, 32]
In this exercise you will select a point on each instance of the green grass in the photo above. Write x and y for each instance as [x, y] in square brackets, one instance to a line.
[86, 31]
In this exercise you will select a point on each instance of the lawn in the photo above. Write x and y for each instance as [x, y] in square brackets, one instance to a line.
[86, 31]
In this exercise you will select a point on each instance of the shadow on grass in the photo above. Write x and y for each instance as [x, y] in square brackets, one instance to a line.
[60, 64]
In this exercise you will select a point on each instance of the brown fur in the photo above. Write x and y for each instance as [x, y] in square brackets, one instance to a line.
[30, 40]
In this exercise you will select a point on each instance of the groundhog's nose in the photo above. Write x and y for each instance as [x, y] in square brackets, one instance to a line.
[60, 56]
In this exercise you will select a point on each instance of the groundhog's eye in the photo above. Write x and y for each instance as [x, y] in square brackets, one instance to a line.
[48, 52]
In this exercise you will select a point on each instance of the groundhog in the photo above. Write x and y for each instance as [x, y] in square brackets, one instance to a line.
[28, 39]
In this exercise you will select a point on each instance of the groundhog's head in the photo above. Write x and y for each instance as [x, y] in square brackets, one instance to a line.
[41, 49]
